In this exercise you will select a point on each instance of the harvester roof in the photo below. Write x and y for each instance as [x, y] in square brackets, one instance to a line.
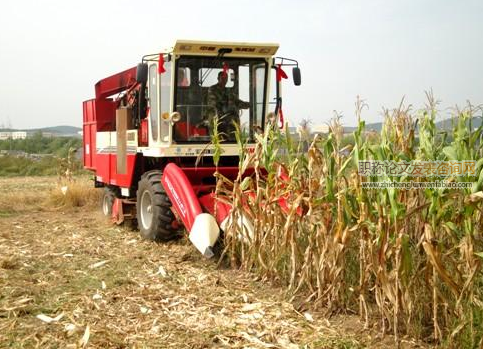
[190, 47]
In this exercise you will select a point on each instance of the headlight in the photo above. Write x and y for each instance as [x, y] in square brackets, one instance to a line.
[175, 116]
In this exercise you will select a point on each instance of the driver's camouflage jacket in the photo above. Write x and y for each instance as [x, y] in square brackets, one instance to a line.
[222, 100]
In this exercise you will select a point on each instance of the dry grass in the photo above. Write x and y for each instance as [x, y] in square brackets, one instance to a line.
[74, 193]
[113, 290]
[44, 193]
[23, 193]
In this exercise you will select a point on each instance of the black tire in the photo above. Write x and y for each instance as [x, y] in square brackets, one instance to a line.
[153, 209]
[107, 201]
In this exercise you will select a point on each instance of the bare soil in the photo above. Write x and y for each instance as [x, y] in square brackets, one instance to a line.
[69, 278]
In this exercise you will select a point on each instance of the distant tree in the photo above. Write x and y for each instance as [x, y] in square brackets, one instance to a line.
[58, 146]
[35, 143]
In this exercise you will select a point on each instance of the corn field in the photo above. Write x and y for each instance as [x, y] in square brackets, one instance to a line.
[407, 261]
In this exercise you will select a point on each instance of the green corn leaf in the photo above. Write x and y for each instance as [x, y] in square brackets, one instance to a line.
[479, 184]
[479, 163]
[344, 165]
[403, 157]
[450, 153]
[245, 183]
[475, 136]
[451, 226]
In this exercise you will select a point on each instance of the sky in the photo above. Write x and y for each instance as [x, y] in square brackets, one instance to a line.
[52, 52]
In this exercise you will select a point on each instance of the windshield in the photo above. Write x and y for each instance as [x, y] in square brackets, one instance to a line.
[229, 89]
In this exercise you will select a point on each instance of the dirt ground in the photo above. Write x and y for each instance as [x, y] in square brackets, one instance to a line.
[70, 279]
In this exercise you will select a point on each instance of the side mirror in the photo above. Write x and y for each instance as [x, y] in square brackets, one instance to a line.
[297, 79]
[142, 73]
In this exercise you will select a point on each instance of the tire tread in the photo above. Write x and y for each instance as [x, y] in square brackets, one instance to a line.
[161, 229]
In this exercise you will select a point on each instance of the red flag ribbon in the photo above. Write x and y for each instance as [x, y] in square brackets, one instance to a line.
[161, 64]
[280, 73]
[225, 70]
[280, 116]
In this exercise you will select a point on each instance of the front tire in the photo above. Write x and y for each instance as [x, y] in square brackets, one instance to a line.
[153, 209]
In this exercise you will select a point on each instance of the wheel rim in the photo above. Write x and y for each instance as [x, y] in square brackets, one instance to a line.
[146, 210]
[106, 205]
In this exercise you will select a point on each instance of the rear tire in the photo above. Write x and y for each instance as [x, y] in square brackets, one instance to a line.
[153, 209]
[107, 201]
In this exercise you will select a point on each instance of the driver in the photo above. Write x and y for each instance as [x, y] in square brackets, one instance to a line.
[225, 103]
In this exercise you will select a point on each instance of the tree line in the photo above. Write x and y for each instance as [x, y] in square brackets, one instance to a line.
[37, 144]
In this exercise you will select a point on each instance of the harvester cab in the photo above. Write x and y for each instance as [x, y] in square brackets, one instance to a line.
[148, 134]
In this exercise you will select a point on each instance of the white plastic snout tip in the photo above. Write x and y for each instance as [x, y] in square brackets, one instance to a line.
[204, 233]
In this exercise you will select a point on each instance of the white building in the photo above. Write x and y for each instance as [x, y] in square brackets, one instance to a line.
[320, 129]
[5, 135]
[20, 134]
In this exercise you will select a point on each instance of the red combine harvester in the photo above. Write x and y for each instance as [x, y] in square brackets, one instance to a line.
[148, 133]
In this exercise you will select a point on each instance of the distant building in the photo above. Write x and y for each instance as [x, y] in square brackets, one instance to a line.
[21, 134]
[5, 135]
[320, 129]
